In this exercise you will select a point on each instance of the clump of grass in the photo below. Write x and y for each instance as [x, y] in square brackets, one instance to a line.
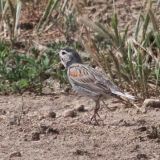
[131, 61]
[128, 59]
[21, 72]
[10, 12]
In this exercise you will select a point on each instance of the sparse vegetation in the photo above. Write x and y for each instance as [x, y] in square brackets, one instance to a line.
[133, 59]
[20, 72]
[130, 58]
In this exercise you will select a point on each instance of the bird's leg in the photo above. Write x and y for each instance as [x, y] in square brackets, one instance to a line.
[97, 107]
[106, 105]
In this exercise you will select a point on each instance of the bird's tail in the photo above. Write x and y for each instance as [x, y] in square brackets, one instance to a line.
[124, 95]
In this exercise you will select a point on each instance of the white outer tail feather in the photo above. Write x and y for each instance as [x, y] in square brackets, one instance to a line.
[124, 95]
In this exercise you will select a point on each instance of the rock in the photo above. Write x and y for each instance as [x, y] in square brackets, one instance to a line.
[154, 103]
[52, 131]
[80, 152]
[47, 113]
[154, 132]
[2, 112]
[70, 113]
[56, 97]
[15, 154]
[25, 137]
[142, 129]
[51, 114]
[35, 136]
[80, 108]
[44, 129]
[142, 156]
[20, 129]
[41, 117]
[125, 123]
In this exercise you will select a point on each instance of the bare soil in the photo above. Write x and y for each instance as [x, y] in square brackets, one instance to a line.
[29, 130]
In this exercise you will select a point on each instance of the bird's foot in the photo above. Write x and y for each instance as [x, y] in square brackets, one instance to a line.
[106, 105]
[94, 119]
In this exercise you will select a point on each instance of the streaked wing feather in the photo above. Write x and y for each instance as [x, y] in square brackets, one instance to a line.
[79, 73]
[86, 77]
[104, 81]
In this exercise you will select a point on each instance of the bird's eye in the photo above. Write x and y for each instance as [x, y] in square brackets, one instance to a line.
[63, 53]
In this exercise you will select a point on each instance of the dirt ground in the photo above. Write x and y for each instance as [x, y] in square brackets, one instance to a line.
[29, 130]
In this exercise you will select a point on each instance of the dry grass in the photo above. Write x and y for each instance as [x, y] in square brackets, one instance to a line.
[128, 51]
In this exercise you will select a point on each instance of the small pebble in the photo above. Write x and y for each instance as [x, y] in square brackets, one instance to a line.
[35, 136]
[44, 129]
[56, 97]
[142, 156]
[70, 113]
[20, 129]
[15, 154]
[41, 117]
[2, 112]
[142, 129]
[52, 131]
[80, 108]
[52, 114]
[80, 152]
[25, 137]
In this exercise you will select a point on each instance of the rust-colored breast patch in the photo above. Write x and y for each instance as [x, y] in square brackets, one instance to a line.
[75, 72]
[80, 74]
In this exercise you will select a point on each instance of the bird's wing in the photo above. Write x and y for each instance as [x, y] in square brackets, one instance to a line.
[104, 81]
[80, 74]
[87, 77]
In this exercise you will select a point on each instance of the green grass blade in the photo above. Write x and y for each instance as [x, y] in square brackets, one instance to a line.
[52, 4]
[137, 27]
[18, 14]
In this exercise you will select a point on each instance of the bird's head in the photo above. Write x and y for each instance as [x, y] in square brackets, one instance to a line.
[69, 56]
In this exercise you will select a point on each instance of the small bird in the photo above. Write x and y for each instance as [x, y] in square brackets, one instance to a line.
[88, 81]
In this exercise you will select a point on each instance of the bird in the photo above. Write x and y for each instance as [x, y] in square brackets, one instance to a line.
[88, 81]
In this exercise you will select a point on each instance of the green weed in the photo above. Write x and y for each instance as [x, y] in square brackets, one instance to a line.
[21, 72]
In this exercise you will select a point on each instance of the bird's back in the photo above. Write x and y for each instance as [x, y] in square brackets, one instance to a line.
[84, 78]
